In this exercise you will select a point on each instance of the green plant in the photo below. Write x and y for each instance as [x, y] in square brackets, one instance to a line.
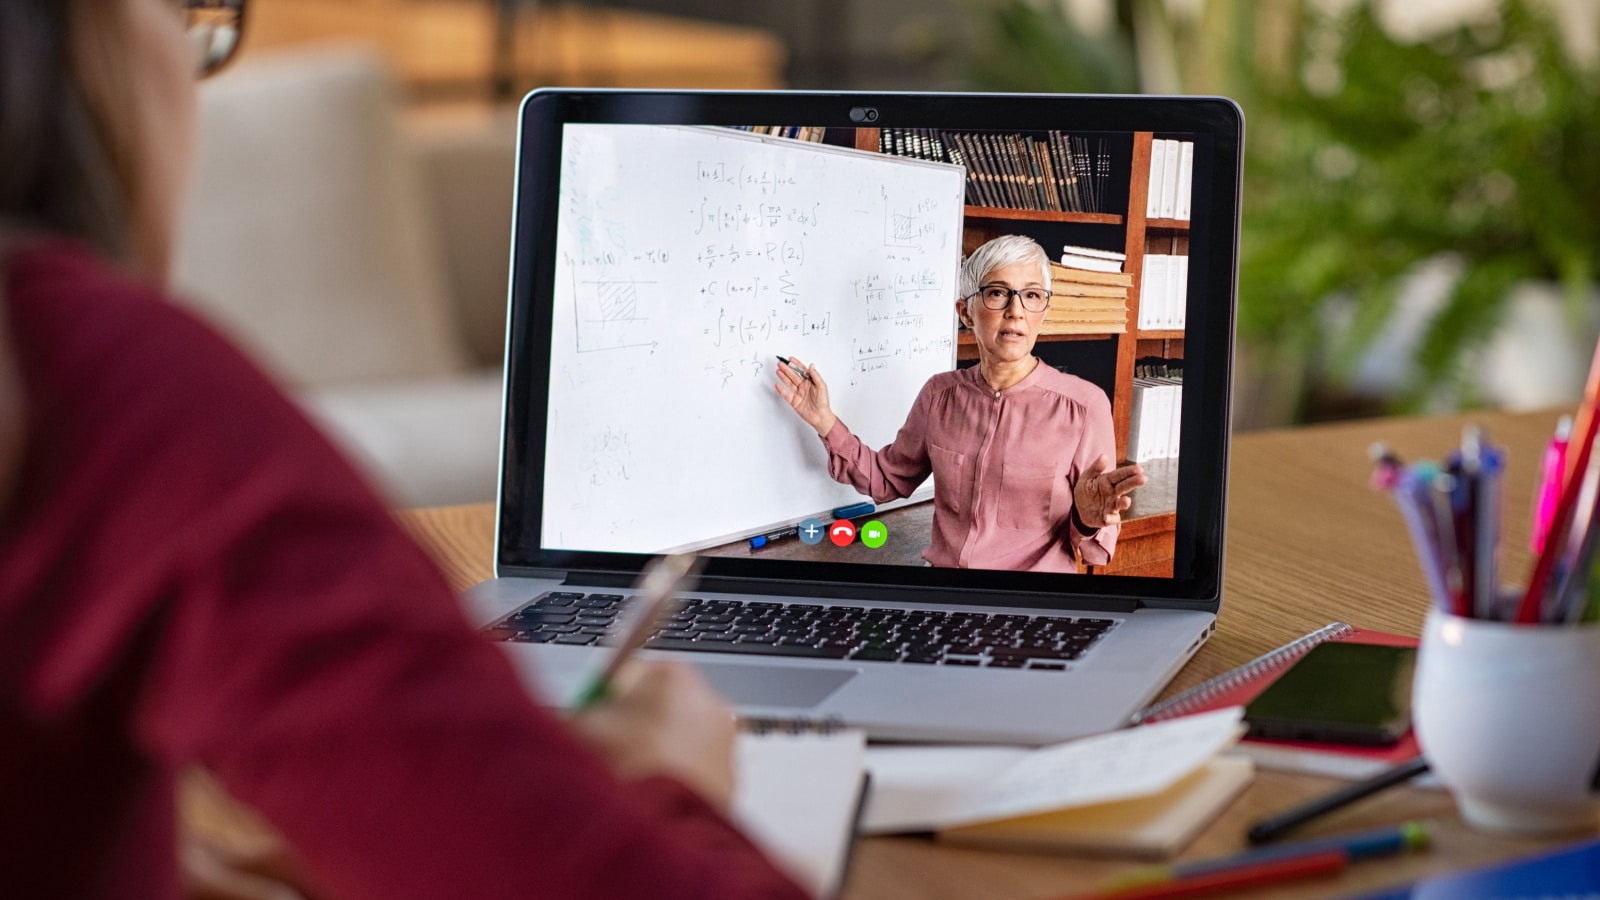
[1023, 46]
[1365, 156]
[1373, 155]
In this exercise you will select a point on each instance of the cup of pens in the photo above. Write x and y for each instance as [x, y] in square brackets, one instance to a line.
[1506, 698]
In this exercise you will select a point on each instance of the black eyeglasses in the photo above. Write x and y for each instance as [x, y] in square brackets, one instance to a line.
[215, 27]
[998, 296]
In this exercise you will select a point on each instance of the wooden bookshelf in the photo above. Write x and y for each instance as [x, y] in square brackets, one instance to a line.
[1145, 546]
[1041, 215]
[985, 222]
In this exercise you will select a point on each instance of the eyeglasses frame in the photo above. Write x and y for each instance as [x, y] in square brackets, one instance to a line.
[1012, 295]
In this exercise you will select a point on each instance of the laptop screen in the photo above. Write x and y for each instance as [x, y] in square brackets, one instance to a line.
[897, 351]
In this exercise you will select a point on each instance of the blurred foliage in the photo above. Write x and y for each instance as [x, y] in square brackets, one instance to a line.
[1026, 47]
[1365, 156]
[1375, 155]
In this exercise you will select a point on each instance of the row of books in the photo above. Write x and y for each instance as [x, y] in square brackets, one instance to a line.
[1086, 302]
[811, 133]
[1164, 287]
[1157, 414]
[1171, 179]
[1053, 172]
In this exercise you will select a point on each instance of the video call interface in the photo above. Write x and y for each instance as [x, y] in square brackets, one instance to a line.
[783, 342]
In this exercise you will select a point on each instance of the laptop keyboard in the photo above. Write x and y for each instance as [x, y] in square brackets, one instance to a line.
[808, 630]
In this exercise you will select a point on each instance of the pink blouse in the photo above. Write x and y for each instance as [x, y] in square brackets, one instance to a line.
[1004, 464]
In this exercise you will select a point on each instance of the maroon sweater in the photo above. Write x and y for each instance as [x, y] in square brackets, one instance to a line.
[189, 572]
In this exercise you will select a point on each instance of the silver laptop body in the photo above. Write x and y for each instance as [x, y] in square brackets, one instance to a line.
[1037, 657]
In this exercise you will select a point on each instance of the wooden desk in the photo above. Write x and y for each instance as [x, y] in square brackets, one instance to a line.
[1308, 542]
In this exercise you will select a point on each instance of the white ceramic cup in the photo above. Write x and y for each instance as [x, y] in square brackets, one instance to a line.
[1509, 719]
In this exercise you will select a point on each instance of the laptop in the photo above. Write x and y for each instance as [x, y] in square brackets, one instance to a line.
[689, 269]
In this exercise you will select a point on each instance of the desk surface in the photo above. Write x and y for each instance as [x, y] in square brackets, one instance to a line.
[1307, 543]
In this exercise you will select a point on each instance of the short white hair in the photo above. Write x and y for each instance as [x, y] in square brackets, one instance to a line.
[1006, 250]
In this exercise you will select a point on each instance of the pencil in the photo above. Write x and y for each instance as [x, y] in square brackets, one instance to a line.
[657, 587]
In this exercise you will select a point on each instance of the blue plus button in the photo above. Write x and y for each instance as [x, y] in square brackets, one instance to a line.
[812, 531]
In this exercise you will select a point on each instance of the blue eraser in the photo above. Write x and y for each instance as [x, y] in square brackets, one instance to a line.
[757, 542]
[853, 510]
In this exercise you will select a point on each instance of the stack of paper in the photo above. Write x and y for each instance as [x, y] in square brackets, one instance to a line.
[1144, 791]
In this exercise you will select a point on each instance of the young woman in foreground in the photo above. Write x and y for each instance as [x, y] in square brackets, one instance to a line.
[188, 572]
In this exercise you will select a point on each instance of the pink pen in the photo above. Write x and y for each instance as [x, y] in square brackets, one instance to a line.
[1552, 474]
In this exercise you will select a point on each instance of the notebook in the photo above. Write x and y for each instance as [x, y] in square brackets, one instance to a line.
[1141, 792]
[1571, 874]
[675, 252]
[801, 789]
[1240, 685]
[1156, 826]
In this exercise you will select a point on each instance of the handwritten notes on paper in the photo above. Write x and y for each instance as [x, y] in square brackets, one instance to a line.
[927, 788]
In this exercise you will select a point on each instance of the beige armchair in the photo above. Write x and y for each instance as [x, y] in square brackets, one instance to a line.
[361, 257]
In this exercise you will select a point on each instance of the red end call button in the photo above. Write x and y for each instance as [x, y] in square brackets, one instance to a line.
[842, 532]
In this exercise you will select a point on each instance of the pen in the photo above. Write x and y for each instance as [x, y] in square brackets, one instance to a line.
[1277, 870]
[1208, 876]
[1274, 827]
[1490, 503]
[1583, 425]
[797, 370]
[657, 588]
[761, 540]
[1386, 467]
[1412, 495]
[1444, 485]
[1552, 471]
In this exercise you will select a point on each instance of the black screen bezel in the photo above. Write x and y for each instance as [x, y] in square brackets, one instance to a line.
[1217, 128]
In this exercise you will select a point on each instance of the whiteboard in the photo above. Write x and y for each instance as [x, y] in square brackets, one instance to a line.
[687, 259]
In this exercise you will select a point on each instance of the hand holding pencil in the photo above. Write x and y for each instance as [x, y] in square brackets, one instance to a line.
[654, 718]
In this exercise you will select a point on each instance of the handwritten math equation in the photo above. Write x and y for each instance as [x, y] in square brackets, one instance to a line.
[766, 181]
[717, 218]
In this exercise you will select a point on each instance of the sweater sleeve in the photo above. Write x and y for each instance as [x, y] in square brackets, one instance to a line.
[888, 474]
[1098, 438]
[297, 642]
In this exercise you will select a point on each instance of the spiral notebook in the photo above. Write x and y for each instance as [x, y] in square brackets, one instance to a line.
[1238, 686]
[801, 789]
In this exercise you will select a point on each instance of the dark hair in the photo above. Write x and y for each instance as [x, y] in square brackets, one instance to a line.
[65, 158]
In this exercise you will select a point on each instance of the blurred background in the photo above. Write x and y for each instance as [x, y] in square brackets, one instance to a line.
[1421, 205]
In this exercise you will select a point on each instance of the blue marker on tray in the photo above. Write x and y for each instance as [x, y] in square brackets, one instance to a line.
[761, 540]
[854, 510]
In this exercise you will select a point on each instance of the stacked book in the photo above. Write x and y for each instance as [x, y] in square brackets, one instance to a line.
[1048, 171]
[1083, 301]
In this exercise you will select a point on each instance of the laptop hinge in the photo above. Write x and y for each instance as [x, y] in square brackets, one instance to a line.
[868, 592]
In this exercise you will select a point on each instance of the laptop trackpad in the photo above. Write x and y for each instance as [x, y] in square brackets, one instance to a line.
[795, 686]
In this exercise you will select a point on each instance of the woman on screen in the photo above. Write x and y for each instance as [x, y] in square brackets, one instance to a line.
[1023, 456]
